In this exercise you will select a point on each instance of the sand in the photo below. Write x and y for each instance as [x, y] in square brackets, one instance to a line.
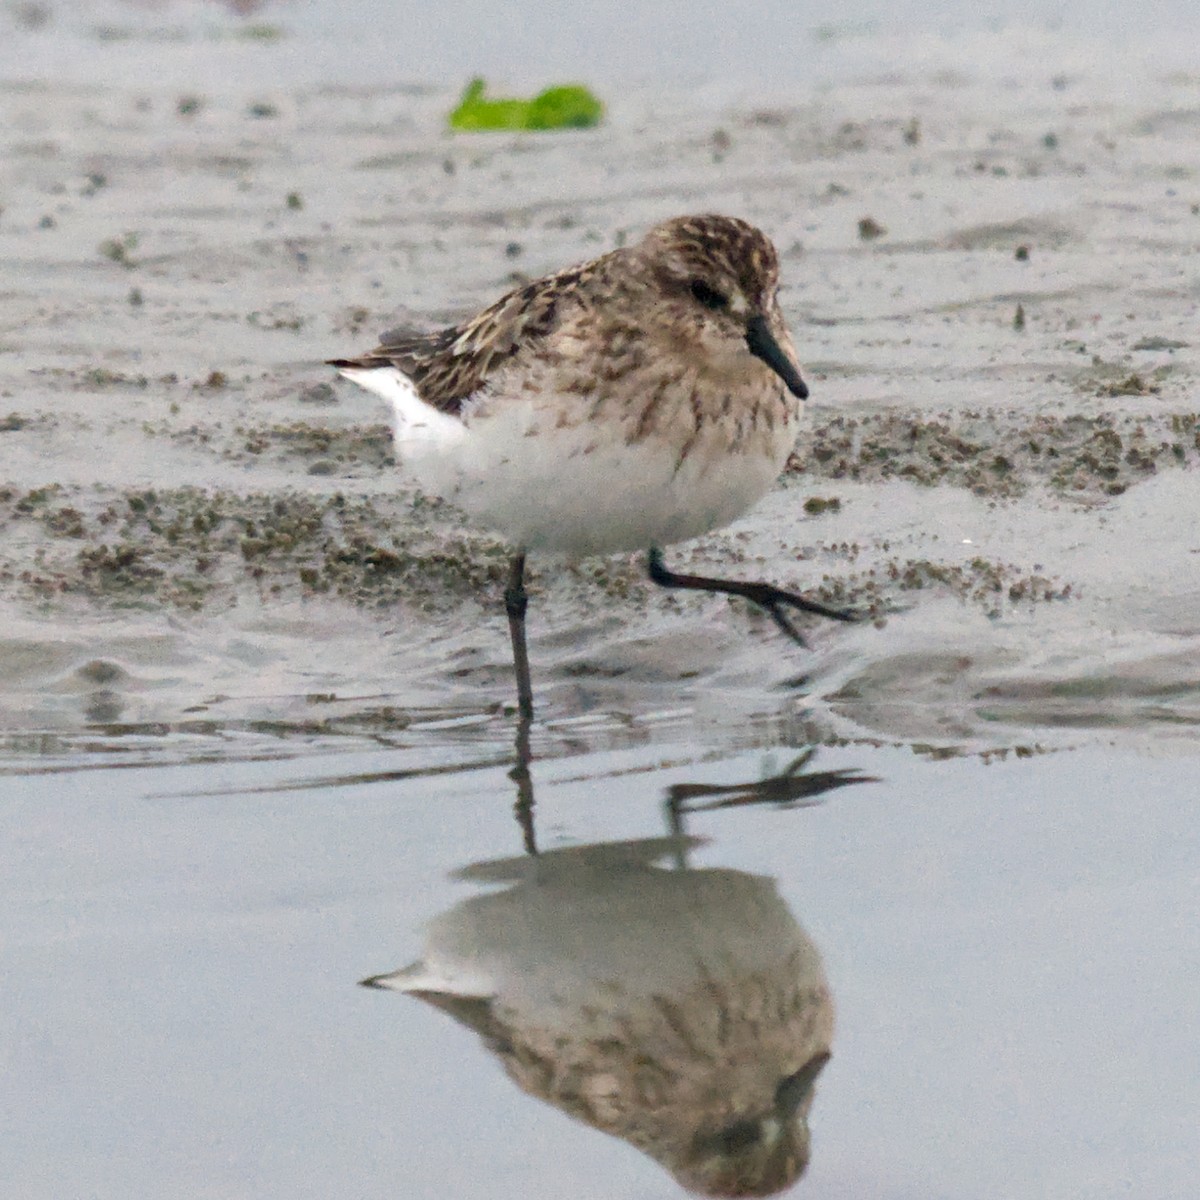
[989, 269]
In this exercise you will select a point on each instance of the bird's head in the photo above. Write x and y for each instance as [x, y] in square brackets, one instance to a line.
[757, 1154]
[718, 281]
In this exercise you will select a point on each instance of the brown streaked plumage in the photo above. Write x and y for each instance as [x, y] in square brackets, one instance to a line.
[637, 400]
[450, 365]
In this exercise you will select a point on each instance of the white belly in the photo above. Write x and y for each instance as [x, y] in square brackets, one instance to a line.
[580, 489]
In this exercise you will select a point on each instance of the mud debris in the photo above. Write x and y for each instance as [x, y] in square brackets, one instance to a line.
[188, 548]
[1002, 455]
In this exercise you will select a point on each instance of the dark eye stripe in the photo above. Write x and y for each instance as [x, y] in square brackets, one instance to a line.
[707, 296]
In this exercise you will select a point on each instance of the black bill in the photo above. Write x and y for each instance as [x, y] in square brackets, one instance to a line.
[796, 1089]
[762, 344]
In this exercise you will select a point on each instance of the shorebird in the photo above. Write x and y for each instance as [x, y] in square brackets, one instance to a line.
[685, 1011]
[632, 402]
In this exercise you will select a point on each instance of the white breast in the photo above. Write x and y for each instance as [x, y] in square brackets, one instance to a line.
[577, 489]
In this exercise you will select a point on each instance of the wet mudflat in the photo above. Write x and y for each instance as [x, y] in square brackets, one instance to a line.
[987, 273]
[255, 701]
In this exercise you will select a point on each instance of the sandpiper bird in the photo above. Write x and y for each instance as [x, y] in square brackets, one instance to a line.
[637, 400]
[685, 1011]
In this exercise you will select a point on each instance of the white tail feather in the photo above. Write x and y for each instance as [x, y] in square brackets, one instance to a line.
[415, 421]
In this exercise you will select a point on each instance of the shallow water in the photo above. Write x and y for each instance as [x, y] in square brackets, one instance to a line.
[1010, 948]
[255, 703]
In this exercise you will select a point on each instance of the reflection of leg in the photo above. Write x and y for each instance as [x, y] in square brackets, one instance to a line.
[520, 775]
[766, 595]
[515, 603]
[793, 787]
[676, 829]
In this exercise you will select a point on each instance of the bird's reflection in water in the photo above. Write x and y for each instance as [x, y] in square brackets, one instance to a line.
[681, 1008]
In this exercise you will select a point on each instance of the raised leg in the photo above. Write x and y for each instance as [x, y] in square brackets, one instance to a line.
[515, 604]
[766, 595]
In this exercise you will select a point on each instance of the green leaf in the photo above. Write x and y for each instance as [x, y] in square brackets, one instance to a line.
[571, 106]
[568, 106]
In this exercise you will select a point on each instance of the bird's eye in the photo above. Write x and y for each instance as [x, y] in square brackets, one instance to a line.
[709, 297]
[735, 1138]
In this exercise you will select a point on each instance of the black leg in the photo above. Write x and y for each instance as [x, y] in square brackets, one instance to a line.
[766, 595]
[515, 604]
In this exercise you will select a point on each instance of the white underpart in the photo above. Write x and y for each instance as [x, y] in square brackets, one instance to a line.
[576, 490]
